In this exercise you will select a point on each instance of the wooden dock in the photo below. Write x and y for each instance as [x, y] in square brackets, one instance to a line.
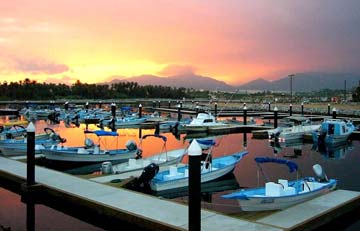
[111, 207]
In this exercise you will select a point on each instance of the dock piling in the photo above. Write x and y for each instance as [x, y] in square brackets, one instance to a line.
[194, 186]
[275, 117]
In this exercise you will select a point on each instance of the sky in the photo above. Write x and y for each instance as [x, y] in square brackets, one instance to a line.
[234, 41]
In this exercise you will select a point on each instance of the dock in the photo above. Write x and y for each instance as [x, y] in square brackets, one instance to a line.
[112, 207]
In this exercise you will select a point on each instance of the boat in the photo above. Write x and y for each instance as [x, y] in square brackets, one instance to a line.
[138, 163]
[178, 177]
[333, 131]
[301, 126]
[123, 122]
[283, 193]
[18, 146]
[202, 123]
[9, 132]
[91, 152]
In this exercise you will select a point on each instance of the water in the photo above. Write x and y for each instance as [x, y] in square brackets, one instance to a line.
[342, 164]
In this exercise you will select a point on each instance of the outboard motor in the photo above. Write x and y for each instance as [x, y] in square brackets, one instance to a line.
[131, 145]
[89, 143]
[106, 168]
[320, 174]
[148, 173]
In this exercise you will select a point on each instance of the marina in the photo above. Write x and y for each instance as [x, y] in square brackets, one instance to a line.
[99, 187]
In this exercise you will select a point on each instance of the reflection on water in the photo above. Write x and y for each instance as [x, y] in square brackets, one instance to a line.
[340, 163]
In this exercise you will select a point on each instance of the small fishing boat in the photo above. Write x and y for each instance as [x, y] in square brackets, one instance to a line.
[283, 193]
[178, 177]
[163, 158]
[9, 132]
[333, 131]
[202, 123]
[91, 152]
[18, 146]
[300, 127]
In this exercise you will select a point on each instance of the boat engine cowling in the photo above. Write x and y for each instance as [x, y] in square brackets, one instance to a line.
[320, 174]
[131, 145]
[148, 173]
[106, 168]
[89, 143]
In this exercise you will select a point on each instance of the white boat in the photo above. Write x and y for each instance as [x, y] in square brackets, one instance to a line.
[163, 158]
[300, 127]
[123, 121]
[178, 177]
[202, 123]
[18, 146]
[333, 131]
[91, 153]
[282, 194]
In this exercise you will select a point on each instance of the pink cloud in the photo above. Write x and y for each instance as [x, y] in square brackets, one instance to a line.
[37, 66]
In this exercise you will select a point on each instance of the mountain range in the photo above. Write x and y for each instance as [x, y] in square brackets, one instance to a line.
[301, 82]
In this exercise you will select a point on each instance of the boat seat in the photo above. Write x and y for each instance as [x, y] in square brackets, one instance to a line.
[173, 174]
[289, 191]
[284, 183]
[273, 189]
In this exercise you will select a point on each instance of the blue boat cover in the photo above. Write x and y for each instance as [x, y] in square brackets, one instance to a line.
[155, 135]
[102, 133]
[291, 165]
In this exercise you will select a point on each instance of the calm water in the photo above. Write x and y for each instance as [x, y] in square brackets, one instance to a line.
[342, 164]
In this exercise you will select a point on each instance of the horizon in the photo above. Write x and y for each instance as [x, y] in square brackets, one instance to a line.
[231, 41]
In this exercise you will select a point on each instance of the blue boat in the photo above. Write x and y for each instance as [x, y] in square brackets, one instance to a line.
[178, 177]
[333, 131]
[283, 193]
[91, 152]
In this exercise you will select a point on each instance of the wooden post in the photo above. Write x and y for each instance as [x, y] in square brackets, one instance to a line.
[302, 108]
[179, 112]
[194, 186]
[334, 113]
[328, 109]
[275, 117]
[269, 106]
[30, 154]
[215, 109]
[140, 110]
[245, 115]
[290, 110]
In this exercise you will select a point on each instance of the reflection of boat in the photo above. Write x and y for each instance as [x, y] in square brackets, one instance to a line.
[278, 146]
[163, 158]
[91, 153]
[202, 123]
[333, 131]
[282, 194]
[178, 177]
[335, 152]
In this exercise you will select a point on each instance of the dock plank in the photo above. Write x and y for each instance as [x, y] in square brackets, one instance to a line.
[303, 214]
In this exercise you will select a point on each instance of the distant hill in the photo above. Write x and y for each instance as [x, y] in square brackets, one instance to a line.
[187, 81]
[305, 82]
[309, 81]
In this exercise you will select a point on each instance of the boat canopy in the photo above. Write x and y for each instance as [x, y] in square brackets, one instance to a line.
[291, 165]
[102, 133]
[155, 135]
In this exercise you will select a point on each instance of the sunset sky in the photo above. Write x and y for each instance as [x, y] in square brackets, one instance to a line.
[235, 41]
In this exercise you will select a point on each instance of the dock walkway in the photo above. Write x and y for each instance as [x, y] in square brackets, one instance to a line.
[151, 213]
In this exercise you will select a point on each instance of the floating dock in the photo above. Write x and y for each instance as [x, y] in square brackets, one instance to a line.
[112, 207]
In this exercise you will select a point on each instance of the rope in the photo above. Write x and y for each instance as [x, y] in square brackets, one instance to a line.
[228, 101]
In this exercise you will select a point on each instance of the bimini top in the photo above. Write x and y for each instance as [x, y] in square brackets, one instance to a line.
[291, 165]
[102, 133]
[155, 135]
